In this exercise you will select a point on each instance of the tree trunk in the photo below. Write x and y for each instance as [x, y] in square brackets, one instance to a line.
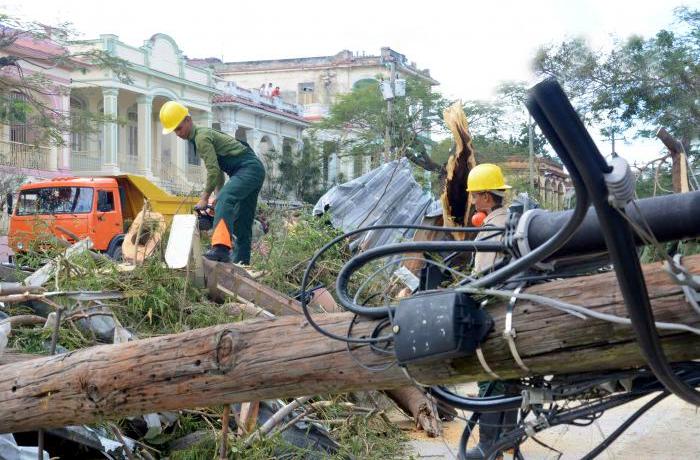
[285, 357]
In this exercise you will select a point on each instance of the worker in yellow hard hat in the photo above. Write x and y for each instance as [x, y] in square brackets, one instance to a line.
[237, 198]
[488, 187]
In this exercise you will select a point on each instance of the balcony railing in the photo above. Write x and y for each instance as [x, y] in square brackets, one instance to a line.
[196, 174]
[86, 161]
[129, 163]
[24, 156]
[179, 182]
[254, 95]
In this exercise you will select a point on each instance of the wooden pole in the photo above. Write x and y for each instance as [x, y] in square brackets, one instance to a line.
[679, 169]
[285, 357]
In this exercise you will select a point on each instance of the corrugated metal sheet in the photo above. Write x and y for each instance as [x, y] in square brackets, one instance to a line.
[386, 195]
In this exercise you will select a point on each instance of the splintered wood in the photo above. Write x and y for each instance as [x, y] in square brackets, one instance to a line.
[455, 199]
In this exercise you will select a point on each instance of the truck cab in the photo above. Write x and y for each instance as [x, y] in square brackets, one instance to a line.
[85, 207]
[101, 208]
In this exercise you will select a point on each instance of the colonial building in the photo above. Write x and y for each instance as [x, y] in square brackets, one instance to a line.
[314, 83]
[131, 139]
[21, 145]
[551, 180]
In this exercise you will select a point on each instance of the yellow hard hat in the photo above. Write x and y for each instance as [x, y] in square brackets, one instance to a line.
[486, 177]
[171, 114]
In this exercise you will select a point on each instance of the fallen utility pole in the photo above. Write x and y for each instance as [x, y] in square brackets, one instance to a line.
[285, 357]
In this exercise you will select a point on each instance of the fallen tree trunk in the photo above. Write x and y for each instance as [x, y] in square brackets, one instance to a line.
[285, 357]
[226, 280]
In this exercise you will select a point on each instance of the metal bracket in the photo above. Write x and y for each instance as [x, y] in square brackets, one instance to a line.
[509, 332]
[520, 237]
[482, 361]
[536, 396]
[539, 424]
[689, 283]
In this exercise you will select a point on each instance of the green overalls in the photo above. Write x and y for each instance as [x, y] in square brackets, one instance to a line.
[238, 197]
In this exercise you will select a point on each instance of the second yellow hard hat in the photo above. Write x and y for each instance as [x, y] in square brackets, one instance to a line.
[484, 177]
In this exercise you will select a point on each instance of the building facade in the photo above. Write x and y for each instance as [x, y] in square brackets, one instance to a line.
[551, 182]
[314, 83]
[21, 145]
[130, 139]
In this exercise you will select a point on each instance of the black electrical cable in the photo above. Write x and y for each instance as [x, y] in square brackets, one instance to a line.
[364, 258]
[305, 278]
[563, 234]
[481, 404]
[558, 419]
[590, 164]
[471, 423]
[622, 428]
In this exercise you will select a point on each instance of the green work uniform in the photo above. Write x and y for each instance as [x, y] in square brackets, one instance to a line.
[238, 197]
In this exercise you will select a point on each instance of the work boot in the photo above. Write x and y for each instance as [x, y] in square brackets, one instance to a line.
[219, 253]
[489, 430]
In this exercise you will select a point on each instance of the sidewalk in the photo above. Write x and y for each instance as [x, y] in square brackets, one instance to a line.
[668, 431]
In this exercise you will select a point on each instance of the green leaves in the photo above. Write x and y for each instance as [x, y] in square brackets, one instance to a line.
[641, 84]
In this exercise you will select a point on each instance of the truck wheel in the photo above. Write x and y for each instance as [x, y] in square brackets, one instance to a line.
[116, 254]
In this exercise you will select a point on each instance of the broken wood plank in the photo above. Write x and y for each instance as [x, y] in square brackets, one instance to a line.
[285, 357]
[224, 280]
[679, 164]
[41, 276]
[415, 403]
[24, 320]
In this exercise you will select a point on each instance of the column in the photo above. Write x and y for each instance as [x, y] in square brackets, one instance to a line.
[110, 129]
[63, 162]
[208, 119]
[145, 130]
[257, 137]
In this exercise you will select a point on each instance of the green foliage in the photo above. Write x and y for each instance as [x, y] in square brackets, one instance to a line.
[360, 119]
[642, 83]
[25, 97]
[300, 172]
[290, 246]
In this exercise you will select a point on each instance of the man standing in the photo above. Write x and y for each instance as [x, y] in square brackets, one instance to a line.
[488, 186]
[237, 198]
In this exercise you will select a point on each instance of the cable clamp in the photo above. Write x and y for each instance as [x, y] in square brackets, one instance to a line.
[509, 332]
[482, 361]
[536, 396]
[532, 427]
[689, 283]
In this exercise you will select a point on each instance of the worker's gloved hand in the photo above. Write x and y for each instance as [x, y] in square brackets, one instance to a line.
[201, 204]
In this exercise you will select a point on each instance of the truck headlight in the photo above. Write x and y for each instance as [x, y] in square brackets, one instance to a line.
[20, 246]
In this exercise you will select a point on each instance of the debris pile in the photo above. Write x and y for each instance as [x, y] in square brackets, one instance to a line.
[56, 299]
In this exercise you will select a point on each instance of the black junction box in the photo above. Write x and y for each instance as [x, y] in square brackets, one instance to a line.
[439, 325]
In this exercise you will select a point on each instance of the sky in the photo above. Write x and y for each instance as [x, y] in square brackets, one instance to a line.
[469, 46]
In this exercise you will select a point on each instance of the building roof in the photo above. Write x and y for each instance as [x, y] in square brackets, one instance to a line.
[344, 58]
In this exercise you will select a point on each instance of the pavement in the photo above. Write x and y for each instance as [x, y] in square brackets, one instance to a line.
[670, 430]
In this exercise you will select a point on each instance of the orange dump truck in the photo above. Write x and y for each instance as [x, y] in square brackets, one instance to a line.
[101, 208]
